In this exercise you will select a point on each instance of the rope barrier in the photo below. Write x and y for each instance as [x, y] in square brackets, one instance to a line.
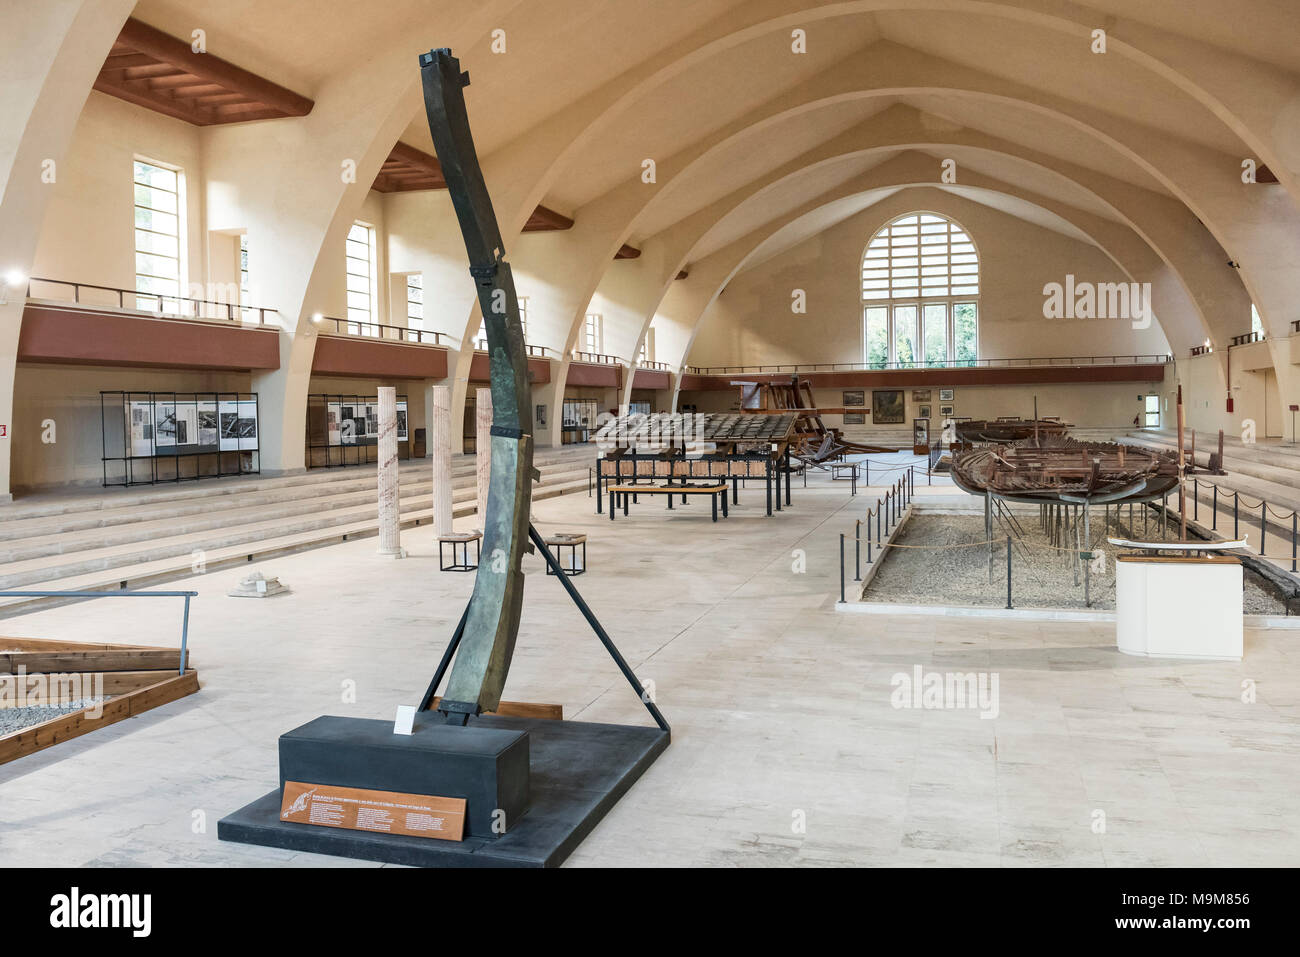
[919, 465]
[991, 541]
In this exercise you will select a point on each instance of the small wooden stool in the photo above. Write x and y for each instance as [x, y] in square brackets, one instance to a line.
[462, 539]
[570, 540]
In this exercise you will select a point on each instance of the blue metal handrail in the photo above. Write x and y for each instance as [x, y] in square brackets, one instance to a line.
[185, 620]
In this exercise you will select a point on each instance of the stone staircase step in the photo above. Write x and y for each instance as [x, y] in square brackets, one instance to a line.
[152, 570]
[69, 501]
[261, 522]
[144, 528]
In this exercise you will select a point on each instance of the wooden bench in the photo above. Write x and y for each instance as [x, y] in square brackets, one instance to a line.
[629, 493]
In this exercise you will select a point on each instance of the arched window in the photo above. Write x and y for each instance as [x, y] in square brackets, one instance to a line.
[920, 294]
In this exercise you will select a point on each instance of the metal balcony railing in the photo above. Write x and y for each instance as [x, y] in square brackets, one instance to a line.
[377, 330]
[1019, 363]
[169, 307]
[533, 352]
[596, 357]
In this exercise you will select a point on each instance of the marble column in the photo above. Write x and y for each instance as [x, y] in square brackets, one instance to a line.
[390, 529]
[483, 448]
[441, 431]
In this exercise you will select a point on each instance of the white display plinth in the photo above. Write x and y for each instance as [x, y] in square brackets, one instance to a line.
[1179, 607]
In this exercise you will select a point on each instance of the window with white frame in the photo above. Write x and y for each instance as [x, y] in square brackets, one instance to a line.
[480, 341]
[646, 354]
[415, 301]
[593, 333]
[159, 247]
[362, 279]
[920, 294]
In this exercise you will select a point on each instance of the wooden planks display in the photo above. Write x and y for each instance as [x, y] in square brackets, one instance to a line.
[667, 428]
[131, 679]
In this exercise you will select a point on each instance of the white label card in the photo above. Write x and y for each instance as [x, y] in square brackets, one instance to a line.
[405, 721]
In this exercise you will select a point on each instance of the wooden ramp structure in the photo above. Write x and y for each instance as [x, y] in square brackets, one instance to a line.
[130, 679]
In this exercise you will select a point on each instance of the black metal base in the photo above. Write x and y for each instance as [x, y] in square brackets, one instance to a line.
[579, 771]
[569, 569]
[459, 563]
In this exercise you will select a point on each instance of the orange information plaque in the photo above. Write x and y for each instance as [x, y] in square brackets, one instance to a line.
[384, 812]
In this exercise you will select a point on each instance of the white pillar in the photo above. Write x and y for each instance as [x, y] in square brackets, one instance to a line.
[483, 448]
[390, 529]
[441, 432]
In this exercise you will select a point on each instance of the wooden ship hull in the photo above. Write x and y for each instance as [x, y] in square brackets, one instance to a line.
[1066, 471]
[1009, 430]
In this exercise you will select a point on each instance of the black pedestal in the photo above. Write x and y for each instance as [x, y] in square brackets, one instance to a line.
[488, 767]
[579, 771]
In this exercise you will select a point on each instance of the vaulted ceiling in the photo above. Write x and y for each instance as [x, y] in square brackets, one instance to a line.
[558, 52]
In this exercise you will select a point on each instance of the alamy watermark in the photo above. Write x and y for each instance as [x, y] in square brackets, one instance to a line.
[946, 691]
[1099, 300]
[54, 690]
[648, 432]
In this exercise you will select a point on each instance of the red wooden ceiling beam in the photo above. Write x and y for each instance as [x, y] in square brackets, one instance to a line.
[156, 57]
[408, 169]
[127, 61]
[545, 219]
[152, 100]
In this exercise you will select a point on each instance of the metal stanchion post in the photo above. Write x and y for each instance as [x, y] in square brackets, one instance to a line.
[857, 550]
[1008, 571]
[841, 568]
[1263, 525]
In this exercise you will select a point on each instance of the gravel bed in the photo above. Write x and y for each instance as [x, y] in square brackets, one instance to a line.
[1041, 577]
[15, 719]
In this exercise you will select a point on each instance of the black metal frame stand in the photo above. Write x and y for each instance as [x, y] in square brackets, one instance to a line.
[463, 565]
[574, 568]
[587, 613]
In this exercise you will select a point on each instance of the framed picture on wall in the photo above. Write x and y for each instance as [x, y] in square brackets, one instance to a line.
[923, 411]
[887, 407]
[855, 398]
[855, 418]
[921, 395]
[945, 395]
[945, 410]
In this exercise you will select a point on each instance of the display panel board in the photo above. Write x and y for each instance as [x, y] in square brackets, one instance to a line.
[192, 434]
[344, 429]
